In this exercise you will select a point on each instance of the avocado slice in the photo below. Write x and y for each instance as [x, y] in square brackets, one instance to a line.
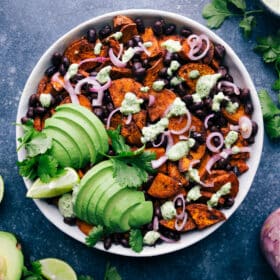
[120, 205]
[140, 215]
[67, 143]
[11, 257]
[92, 118]
[61, 154]
[83, 134]
[74, 134]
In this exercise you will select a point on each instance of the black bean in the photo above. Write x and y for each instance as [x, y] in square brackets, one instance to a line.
[33, 100]
[110, 107]
[185, 32]
[39, 111]
[228, 77]
[140, 73]
[58, 98]
[107, 98]
[145, 63]
[223, 70]
[159, 27]
[208, 102]
[130, 43]
[163, 72]
[105, 31]
[71, 221]
[105, 111]
[229, 201]
[195, 146]
[216, 141]
[158, 212]
[140, 25]
[181, 90]
[244, 94]
[137, 39]
[236, 171]
[62, 70]
[222, 163]
[24, 120]
[198, 137]
[197, 105]
[98, 111]
[228, 167]
[170, 29]
[188, 99]
[104, 120]
[219, 51]
[124, 242]
[255, 128]
[248, 107]
[30, 112]
[91, 35]
[214, 128]
[66, 62]
[149, 226]
[50, 71]
[56, 59]
[167, 58]
[107, 243]
[251, 140]
[76, 78]
[136, 66]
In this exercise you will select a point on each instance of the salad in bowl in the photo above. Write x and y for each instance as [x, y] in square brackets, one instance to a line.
[138, 133]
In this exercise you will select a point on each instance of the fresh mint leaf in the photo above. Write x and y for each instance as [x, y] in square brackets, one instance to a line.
[136, 240]
[38, 144]
[269, 109]
[28, 168]
[272, 127]
[240, 4]
[94, 236]
[118, 141]
[47, 168]
[216, 12]
[247, 24]
[111, 273]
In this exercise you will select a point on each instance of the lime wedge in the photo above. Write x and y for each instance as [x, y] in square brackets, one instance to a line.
[1, 188]
[55, 269]
[55, 187]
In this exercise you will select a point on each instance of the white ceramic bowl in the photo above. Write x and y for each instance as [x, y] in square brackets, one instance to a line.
[273, 7]
[237, 70]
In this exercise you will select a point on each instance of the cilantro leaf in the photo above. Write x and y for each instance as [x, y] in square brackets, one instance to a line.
[28, 132]
[247, 23]
[216, 12]
[35, 273]
[38, 144]
[111, 273]
[85, 277]
[28, 168]
[118, 141]
[47, 168]
[272, 127]
[240, 4]
[276, 85]
[94, 236]
[136, 240]
[269, 109]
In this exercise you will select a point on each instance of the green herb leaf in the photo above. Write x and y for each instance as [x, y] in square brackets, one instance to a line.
[247, 24]
[94, 236]
[28, 132]
[136, 240]
[216, 12]
[28, 168]
[118, 141]
[85, 277]
[276, 85]
[269, 109]
[47, 168]
[272, 127]
[35, 273]
[240, 4]
[111, 273]
[38, 144]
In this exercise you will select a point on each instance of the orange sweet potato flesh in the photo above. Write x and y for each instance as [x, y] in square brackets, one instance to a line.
[164, 186]
[120, 21]
[170, 224]
[234, 118]
[152, 73]
[203, 216]
[158, 151]
[38, 124]
[132, 134]
[120, 87]
[83, 100]
[185, 50]
[128, 31]
[203, 69]
[45, 86]
[173, 172]
[210, 54]
[184, 164]
[240, 164]
[163, 100]
[119, 72]
[155, 50]
[84, 227]
[140, 118]
[202, 168]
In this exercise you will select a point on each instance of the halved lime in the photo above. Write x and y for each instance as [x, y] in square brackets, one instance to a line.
[1, 188]
[55, 187]
[55, 269]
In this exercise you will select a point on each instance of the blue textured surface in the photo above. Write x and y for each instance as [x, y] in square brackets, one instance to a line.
[232, 252]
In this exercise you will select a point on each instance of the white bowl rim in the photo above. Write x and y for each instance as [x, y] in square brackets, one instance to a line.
[186, 240]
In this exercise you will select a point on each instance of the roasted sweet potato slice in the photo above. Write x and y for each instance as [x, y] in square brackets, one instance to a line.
[205, 196]
[240, 164]
[45, 86]
[163, 100]
[198, 153]
[132, 134]
[83, 100]
[202, 168]
[120, 87]
[128, 31]
[184, 164]
[164, 186]
[185, 50]
[155, 50]
[170, 224]
[38, 125]
[234, 118]
[120, 21]
[84, 227]
[210, 54]
[203, 69]
[203, 216]
[158, 151]
[152, 73]
[140, 118]
[215, 63]
[119, 72]
[173, 171]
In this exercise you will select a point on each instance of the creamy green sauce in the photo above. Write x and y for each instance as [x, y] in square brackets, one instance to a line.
[117, 35]
[103, 75]
[232, 107]
[151, 237]
[158, 85]
[194, 74]
[235, 150]
[65, 206]
[224, 190]
[193, 175]
[131, 104]
[231, 138]
[168, 210]
[175, 81]
[145, 89]
[273, 4]
[45, 99]
[194, 194]
[72, 71]
[174, 65]
[151, 132]
[178, 108]
[97, 48]
[172, 45]
[217, 100]
[128, 54]
[147, 44]
[180, 149]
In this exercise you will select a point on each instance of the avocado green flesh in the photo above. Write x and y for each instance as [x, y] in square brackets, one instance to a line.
[83, 135]
[91, 117]
[61, 154]
[67, 143]
[142, 214]
[11, 256]
[73, 134]
[126, 199]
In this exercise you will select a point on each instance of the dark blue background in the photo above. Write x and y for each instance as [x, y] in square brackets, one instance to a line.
[27, 28]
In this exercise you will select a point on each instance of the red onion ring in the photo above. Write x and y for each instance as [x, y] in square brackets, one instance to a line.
[110, 117]
[89, 80]
[180, 197]
[169, 139]
[234, 127]
[100, 91]
[160, 142]
[183, 223]
[168, 240]
[152, 100]
[183, 137]
[193, 163]
[210, 185]
[155, 223]
[99, 59]
[194, 41]
[194, 49]
[129, 119]
[245, 126]
[228, 84]
[159, 162]
[120, 51]
[210, 146]
[207, 119]
[144, 49]
[115, 60]
[212, 161]
[188, 124]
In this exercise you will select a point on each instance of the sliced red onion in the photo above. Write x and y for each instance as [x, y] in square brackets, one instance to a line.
[103, 87]
[159, 162]
[120, 51]
[227, 152]
[168, 240]
[89, 80]
[152, 100]
[193, 163]
[209, 138]
[183, 223]
[68, 87]
[115, 60]
[245, 149]
[99, 59]
[144, 49]
[180, 197]
[234, 127]
[212, 161]
[207, 119]
[110, 117]
[194, 50]
[228, 84]
[160, 142]
[245, 126]
[129, 119]
[183, 137]
[170, 141]
[210, 185]
[155, 223]
[187, 126]
[194, 41]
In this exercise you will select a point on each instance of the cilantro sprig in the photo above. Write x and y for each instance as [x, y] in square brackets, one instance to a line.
[136, 240]
[218, 11]
[34, 273]
[94, 236]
